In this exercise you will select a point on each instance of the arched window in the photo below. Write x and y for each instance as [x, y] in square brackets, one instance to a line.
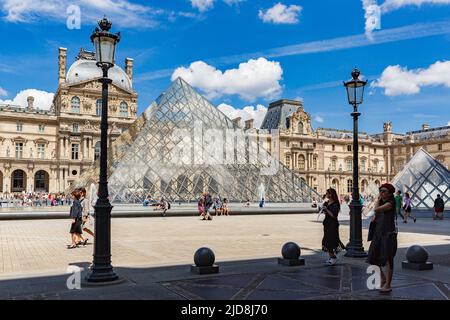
[349, 186]
[123, 110]
[300, 127]
[301, 162]
[75, 105]
[98, 107]
[97, 150]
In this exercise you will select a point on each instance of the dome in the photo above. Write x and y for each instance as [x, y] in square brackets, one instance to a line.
[83, 70]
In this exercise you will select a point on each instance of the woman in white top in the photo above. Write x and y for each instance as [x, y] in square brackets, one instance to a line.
[88, 220]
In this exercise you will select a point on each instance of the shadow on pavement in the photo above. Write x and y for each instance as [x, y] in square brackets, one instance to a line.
[256, 279]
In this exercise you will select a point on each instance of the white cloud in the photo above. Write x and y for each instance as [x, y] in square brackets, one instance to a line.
[448, 123]
[42, 99]
[203, 5]
[373, 11]
[252, 79]
[250, 112]
[281, 14]
[397, 80]
[390, 5]
[3, 92]
[372, 14]
[318, 119]
[122, 13]
[232, 2]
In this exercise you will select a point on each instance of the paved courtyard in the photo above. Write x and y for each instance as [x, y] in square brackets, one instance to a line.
[37, 248]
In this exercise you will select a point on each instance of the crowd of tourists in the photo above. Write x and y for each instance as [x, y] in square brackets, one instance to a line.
[34, 199]
[207, 205]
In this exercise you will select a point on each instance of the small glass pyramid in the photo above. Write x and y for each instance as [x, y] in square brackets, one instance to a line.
[165, 154]
[423, 177]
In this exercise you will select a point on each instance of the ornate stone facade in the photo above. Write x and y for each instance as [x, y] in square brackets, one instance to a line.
[48, 150]
[324, 157]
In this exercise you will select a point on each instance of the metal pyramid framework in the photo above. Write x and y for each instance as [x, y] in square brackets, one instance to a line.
[423, 177]
[180, 147]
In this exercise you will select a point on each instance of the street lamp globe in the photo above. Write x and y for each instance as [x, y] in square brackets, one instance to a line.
[355, 88]
[105, 43]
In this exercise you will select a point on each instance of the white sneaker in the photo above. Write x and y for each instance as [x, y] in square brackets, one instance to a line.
[331, 261]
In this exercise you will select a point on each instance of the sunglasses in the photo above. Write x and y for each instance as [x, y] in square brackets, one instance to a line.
[383, 190]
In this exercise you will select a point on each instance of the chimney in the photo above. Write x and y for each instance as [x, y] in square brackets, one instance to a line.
[62, 58]
[30, 101]
[425, 126]
[249, 124]
[237, 122]
[129, 67]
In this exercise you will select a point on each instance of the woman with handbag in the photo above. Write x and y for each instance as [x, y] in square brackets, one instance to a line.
[383, 246]
[407, 208]
[88, 220]
[330, 241]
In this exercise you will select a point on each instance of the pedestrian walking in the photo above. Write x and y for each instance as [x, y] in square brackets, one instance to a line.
[76, 213]
[407, 208]
[383, 246]
[262, 203]
[399, 204]
[88, 220]
[331, 241]
[439, 208]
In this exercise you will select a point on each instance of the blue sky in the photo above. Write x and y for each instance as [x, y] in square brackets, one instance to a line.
[250, 52]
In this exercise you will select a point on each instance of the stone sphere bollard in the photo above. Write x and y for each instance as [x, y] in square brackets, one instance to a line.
[291, 255]
[417, 259]
[204, 257]
[417, 254]
[204, 262]
[290, 250]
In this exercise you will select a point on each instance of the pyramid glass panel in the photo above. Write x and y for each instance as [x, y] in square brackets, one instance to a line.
[180, 147]
[424, 178]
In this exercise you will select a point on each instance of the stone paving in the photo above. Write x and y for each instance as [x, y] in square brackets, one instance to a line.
[35, 251]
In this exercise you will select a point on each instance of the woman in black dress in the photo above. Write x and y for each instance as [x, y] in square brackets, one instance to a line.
[383, 247]
[331, 242]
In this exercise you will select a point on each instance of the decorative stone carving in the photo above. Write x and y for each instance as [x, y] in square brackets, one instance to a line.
[87, 126]
[133, 108]
[387, 126]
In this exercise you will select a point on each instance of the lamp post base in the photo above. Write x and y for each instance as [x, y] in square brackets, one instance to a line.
[354, 248]
[355, 252]
[98, 276]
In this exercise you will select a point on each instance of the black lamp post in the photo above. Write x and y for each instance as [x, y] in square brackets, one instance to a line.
[355, 93]
[102, 270]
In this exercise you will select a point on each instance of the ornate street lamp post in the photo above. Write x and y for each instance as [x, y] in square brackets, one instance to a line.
[102, 270]
[355, 93]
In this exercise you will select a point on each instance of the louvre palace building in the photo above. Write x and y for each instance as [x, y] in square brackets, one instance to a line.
[50, 150]
[46, 150]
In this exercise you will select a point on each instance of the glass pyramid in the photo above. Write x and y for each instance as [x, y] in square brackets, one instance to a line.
[424, 178]
[182, 146]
